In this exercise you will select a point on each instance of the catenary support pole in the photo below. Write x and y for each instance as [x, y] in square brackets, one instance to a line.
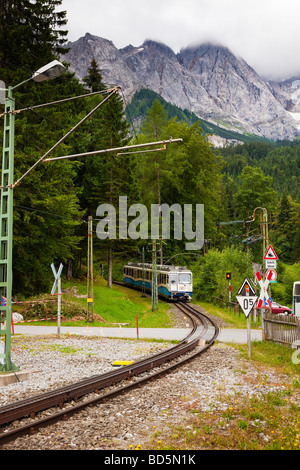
[6, 228]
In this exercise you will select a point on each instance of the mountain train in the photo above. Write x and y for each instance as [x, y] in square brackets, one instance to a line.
[173, 282]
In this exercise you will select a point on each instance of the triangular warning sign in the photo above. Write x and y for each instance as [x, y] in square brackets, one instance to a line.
[247, 303]
[246, 288]
[270, 253]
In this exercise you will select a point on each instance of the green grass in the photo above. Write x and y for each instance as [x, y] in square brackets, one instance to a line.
[233, 320]
[121, 305]
[268, 353]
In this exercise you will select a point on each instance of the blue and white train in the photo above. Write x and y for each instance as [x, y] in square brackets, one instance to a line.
[173, 282]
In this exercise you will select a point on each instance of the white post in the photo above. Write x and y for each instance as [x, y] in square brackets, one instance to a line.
[248, 326]
[58, 305]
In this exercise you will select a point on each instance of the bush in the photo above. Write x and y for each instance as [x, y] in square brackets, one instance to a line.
[282, 291]
[210, 273]
[41, 311]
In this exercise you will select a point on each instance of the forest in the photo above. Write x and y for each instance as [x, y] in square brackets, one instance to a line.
[52, 205]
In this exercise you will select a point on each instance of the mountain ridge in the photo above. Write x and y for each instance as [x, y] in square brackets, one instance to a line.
[208, 80]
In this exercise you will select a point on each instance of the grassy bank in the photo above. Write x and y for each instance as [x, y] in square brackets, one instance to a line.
[114, 306]
[118, 305]
[122, 305]
[232, 320]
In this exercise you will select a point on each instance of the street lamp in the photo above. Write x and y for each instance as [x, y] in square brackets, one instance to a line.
[48, 72]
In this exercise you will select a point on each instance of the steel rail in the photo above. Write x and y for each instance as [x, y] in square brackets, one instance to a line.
[58, 397]
[55, 397]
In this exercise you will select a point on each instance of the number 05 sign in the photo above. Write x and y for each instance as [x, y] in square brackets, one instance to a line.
[246, 297]
[246, 303]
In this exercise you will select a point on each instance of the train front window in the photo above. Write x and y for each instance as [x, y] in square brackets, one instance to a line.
[185, 278]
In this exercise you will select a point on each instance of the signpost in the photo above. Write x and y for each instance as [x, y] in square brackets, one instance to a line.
[228, 277]
[246, 298]
[57, 284]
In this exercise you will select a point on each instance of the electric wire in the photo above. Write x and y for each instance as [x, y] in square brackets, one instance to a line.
[25, 208]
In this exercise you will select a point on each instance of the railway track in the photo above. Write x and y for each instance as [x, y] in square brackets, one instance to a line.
[107, 385]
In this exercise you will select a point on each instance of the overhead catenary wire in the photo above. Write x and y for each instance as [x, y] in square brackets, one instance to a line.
[134, 130]
[113, 91]
[50, 214]
[116, 149]
[63, 100]
[143, 151]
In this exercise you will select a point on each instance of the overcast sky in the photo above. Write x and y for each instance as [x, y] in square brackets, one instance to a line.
[266, 33]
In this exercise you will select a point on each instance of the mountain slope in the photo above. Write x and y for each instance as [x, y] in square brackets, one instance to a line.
[207, 80]
[143, 99]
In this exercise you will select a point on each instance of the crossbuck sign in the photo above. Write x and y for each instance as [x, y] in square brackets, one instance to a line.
[264, 289]
[56, 276]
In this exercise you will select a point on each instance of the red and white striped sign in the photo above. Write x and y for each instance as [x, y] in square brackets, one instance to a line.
[264, 289]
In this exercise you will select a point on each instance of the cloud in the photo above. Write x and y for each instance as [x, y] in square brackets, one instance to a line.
[264, 32]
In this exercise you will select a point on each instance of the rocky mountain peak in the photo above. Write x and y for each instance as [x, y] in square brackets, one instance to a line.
[207, 79]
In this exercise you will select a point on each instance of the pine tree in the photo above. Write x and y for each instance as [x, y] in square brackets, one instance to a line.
[286, 229]
[105, 177]
[46, 211]
[119, 178]
[93, 79]
[31, 35]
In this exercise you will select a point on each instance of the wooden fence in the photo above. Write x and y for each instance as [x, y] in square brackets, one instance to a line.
[281, 328]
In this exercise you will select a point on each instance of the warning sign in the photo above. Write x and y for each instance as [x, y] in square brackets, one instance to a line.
[246, 297]
[246, 288]
[270, 253]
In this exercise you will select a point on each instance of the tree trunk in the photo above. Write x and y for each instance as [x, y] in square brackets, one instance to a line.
[70, 271]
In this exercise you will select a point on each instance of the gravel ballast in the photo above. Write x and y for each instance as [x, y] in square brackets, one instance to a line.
[129, 421]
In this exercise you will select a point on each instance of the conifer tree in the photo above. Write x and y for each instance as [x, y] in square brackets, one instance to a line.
[93, 79]
[286, 229]
[31, 35]
[46, 210]
[105, 177]
[187, 173]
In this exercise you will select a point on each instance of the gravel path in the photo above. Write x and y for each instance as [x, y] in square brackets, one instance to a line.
[132, 420]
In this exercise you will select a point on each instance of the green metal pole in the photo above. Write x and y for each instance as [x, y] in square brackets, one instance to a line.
[6, 229]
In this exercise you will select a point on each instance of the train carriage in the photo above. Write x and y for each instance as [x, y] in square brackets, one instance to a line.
[173, 282]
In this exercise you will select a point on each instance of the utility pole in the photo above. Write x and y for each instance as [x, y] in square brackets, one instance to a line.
[90, 273]
[143, 272]
[265, 238]
[264, 228]
[48, 72]
[154, 278]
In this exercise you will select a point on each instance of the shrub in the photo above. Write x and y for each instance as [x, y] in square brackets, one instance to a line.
[36, 311]
[210, 273]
